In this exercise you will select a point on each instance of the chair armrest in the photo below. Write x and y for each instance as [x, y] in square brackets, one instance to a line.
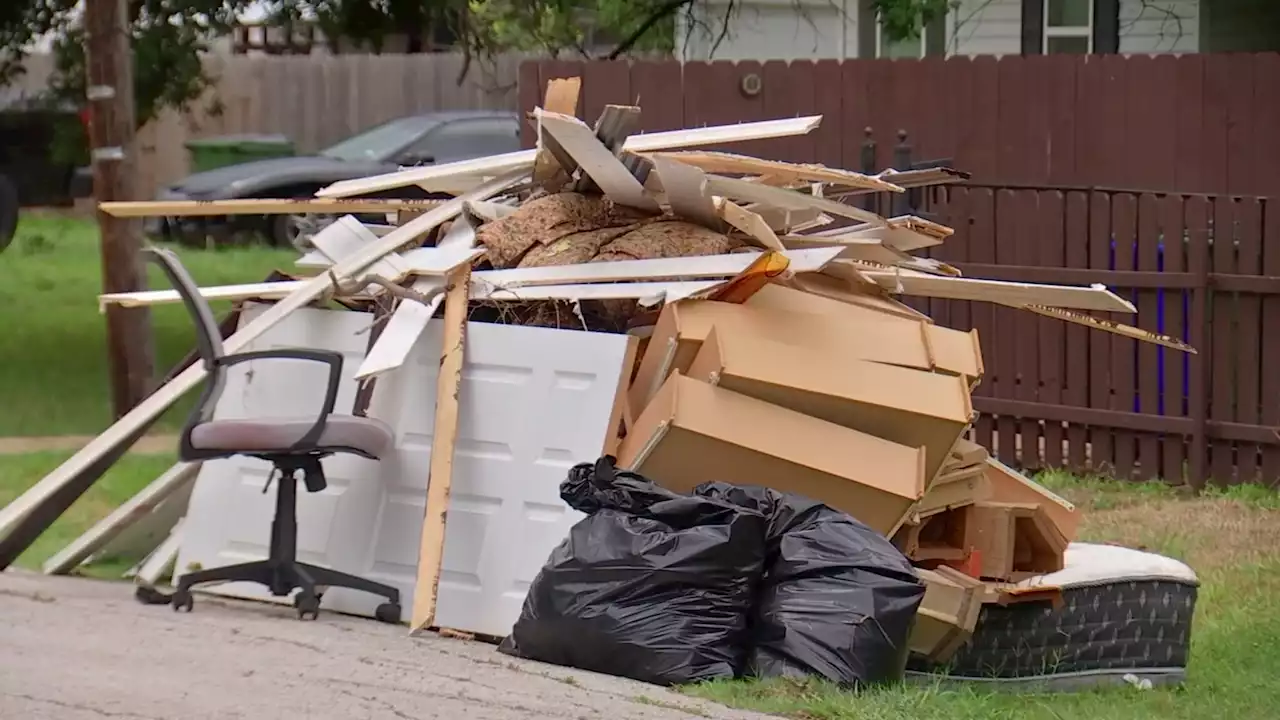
[328, 357]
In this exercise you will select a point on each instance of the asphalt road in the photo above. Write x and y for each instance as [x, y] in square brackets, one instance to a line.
[75, 649]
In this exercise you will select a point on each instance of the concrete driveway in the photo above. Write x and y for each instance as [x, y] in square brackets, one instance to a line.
[75, 649]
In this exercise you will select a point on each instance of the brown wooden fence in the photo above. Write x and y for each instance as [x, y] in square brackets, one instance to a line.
[1190, 123]
[1202, 268]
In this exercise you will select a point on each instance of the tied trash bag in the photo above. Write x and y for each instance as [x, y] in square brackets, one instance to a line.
[651, 585]
[838, 599]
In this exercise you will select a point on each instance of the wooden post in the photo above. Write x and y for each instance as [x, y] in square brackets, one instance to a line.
[112, 147]
[440, 480]
[1197, 222]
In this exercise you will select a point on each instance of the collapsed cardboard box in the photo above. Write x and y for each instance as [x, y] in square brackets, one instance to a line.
[948, 614]
[796, 318]
[693, 432]
[915, 408]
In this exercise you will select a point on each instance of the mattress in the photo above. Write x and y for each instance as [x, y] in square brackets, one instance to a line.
[1125, 617]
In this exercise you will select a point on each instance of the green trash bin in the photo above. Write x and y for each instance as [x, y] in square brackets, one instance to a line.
[216, 152]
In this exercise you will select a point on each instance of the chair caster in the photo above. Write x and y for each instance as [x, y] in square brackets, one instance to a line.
[308, 605]
[182, 601]
[388, 612]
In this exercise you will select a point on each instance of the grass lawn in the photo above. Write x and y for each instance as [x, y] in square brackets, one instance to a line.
[123, 481]
[53, 344]
[1232, 539]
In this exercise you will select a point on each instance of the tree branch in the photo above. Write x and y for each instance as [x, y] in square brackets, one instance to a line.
[668, 8]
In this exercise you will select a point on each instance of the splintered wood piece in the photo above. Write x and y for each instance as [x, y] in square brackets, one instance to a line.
[1112, 327]
[612, 128]
[439, 482]
[685, 187]
[788, 199]
[449, 175]
[905, 233]
[549, 170]
[912, 282]
[751, 224]
[774, 172]
[864, 249]
[596, 161]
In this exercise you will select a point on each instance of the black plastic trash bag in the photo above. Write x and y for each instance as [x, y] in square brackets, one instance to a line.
[838, 599]
[651, 585]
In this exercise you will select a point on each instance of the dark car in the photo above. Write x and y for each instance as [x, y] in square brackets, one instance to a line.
[416, 140]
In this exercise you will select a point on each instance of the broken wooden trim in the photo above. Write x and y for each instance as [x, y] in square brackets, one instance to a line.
[595, 160]
[776, 171]
[263, 206]
[911, 282]
[787, 199]
[443, 442]
[522, 160]
[131, 511]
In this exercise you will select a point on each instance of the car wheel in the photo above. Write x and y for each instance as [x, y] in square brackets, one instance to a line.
[8, 211]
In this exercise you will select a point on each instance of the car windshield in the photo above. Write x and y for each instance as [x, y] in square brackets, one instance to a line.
[382, 142]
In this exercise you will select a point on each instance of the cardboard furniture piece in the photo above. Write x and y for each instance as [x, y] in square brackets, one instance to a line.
[915, 408]
[683, 327]
[947, 615]
[693, 432]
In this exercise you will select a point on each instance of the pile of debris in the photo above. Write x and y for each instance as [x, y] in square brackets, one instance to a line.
[770, 349]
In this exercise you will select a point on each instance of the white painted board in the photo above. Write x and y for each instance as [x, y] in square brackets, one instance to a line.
[534, 402]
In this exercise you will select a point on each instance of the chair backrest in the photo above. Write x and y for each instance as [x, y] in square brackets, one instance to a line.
[208, 334]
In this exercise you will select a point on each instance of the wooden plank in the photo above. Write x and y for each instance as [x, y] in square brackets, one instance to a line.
[1224, 332]
[1063, 118]
[1266, 109]
[1196, 216]
[827, 101]
[1004, 292]
[602, 166]
[530, 89]
[1242, 152]
[788, 89]
[1052, 253]
[1149, 356]
[751, 224]
[1027, 327]
[854, 110]
[443, 441]
[1005, 369]
[1124, 227]
[1100, 367]
[70, 479]
[982, 248]
[319, 206]
[446, 174]
[706, 266]
[658, 88]
[1248, 334]
[779, 197]
[1189, 125]
[1269, 395]
[685, 188]
[562, 97]
[605, 82]
[717, 162]
[118, 520]
[1173, 393]
[906, 233]
[1217, 83]
[1014, 150]
[1076, 339]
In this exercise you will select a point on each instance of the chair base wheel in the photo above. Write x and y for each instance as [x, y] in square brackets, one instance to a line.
[182, 601]
[388, 612]
[308, 605]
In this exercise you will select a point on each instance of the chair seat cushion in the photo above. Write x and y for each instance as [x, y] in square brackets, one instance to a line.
[367, 435]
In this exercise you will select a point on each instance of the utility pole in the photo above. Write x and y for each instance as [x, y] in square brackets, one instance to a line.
[112, 147]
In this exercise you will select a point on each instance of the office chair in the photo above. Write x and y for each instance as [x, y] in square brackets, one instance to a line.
[292, 446]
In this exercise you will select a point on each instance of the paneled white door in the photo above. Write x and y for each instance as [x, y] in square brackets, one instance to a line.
[534, 401]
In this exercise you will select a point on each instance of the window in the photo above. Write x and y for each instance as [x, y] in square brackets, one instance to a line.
[1068, 27]
[466, 139]
[873, 42]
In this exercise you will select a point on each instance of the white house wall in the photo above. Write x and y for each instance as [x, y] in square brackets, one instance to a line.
[1159, 26]
[770, 30]
[828, 29]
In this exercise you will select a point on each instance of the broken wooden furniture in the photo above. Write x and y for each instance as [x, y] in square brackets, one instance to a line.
[293, 447]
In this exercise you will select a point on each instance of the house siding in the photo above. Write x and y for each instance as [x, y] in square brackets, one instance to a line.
[771, 29]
